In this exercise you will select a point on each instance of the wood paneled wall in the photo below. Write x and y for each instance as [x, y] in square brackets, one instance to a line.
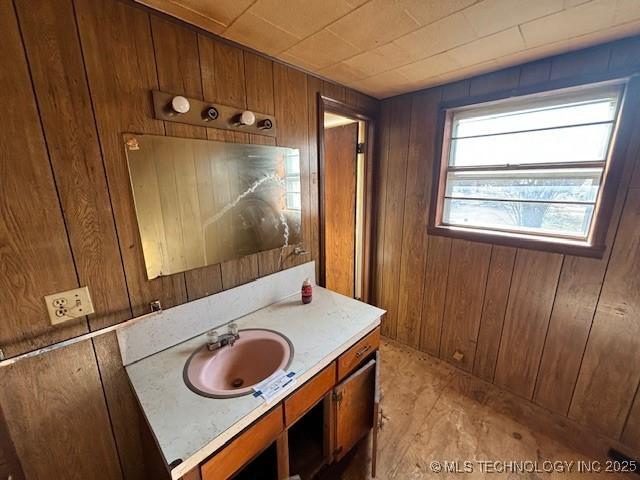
[76, 75]
[561, 331]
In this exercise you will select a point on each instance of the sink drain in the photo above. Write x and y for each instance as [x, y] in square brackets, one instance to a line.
[237, 382]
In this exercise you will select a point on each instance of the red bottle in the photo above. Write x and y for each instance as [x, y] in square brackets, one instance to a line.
[307, 291]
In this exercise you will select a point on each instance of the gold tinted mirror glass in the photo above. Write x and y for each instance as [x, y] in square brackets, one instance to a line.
[200, 202]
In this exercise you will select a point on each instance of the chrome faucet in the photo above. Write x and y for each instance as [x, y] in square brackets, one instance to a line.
[215, 341]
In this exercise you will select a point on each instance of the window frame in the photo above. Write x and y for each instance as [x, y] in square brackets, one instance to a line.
[595, 245]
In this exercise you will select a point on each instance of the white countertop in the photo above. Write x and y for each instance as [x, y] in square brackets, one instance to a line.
[190, 427]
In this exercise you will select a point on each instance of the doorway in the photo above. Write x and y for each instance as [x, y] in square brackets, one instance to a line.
[345, 146]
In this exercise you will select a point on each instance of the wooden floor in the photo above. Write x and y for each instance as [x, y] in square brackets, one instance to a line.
[435, 412]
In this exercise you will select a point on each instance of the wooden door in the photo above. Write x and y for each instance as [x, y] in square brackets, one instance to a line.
[355, 405]
[340, 175]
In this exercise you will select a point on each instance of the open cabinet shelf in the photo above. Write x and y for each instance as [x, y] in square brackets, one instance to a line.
[306, 443]
[264, 466]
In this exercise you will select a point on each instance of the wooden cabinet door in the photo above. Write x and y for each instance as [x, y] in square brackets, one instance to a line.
[354, 405]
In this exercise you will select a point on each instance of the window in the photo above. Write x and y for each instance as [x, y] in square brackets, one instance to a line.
[292, 182]
[531, 168]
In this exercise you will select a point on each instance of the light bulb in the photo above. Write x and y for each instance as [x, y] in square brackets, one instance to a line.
[180, 104]
[247, 118]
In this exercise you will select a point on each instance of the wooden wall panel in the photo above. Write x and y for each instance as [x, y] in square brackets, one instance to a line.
[610, 370]
[259, 83]
[10, 466]
[533, 288]
[467, 270]
[635, 180]
[75, 442]
[127, 422]
[33, 264]
[380, 199]
[334, 91]
[456, 90]
[120, 85]
[291, 109]
[495, 81]
[414, 234]
[437, 268]
[581, 283]
[631, 433]
[434, 295]
[357, 99]
[260, 98]
[625, 55]
[314, 88]
[578, 293]
[144, 53]
[178, 67]
[587, 62]
[493, 311]
[535, 73]
[81, 76]
[223, 81]
[466, 282]
[396, 174]
[531, 313]
[49, 32]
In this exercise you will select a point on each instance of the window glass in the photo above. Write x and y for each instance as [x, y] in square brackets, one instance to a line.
[530, 217]
[532, 165]
[575, 144]
[537, 185]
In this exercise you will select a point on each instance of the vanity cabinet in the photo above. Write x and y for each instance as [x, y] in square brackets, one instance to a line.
[354, 401]
[245, 446]
[361, 350]
[316, 425]
[309, 394]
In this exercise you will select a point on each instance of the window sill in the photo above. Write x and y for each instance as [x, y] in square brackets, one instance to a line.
[533, 242]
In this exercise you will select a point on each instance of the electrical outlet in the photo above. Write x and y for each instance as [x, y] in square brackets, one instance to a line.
[65, 306]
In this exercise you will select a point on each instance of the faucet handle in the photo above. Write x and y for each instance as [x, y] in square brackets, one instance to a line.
[212, 337]
[233, 328]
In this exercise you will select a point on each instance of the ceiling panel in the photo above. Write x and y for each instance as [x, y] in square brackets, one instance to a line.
[257, 33]
[323, 49]
[300, 17]
[492, 16]
[437, 37]
[386, 47]
[429, 11]
[374, 23]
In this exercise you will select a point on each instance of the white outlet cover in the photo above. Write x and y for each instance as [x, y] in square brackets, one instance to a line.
[69, 305]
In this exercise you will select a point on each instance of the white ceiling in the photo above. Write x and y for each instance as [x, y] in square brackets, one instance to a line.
[386, 47]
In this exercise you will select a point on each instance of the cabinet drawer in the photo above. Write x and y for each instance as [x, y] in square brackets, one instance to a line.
[244, 447]
[361, 350]
[308, 395]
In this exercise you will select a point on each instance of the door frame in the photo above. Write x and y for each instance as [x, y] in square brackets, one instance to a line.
[327, 104]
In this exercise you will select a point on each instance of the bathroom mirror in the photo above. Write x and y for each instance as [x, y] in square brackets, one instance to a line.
[201, 202]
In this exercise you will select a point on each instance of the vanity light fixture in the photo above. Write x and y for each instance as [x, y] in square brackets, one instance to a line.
[180, 104]
[170, 107]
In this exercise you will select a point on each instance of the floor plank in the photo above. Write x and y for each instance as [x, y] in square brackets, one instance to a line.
[435, 412]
